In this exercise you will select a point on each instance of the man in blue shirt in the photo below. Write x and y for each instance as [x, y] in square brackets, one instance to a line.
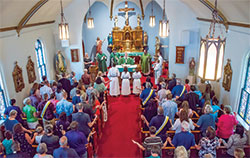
[83, 120]
[147, 94]
[64, 151]
[65, 106]
[14, 107]
[179, 91]
[77, 140]
[184, 138]
[77, 98]
[170, 108]
[11, 121]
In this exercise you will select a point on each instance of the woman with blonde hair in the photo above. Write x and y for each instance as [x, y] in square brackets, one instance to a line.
[180, 152]
[183, 117]
[185, 107]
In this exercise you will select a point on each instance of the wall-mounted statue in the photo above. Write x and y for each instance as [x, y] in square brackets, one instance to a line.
[192, 67]
[31, 70]
[157, 46]
[18, 78]
[116, 21]
[227, 77]
[60, 63]
[138, 20]
[145, 39]
[110, 40]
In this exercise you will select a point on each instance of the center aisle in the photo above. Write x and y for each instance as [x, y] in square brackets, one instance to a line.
[122, 126]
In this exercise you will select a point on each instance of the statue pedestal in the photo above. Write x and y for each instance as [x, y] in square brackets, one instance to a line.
[191, 79]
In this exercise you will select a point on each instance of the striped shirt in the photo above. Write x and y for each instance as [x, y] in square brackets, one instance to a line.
[149, 142]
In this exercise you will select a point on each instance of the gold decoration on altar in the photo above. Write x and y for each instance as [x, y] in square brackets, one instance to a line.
[128, 39]
[227, 77]
[18, 78]
[30, 70]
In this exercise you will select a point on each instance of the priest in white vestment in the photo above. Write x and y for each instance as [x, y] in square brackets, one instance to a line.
[114, 88]
[137, 81]
[125, 82]
[161, 63]
[157, 69]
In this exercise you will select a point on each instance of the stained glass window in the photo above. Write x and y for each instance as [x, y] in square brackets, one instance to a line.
[244, 107]
[3, 104]
[40, 59]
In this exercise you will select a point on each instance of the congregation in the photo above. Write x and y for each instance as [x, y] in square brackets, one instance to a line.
[69, 109]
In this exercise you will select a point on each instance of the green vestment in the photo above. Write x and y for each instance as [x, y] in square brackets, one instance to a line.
[128, 61]
[114, 57]
[145, 63]
[101, 59]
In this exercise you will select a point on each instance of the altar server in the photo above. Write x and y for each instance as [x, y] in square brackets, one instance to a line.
[157, 69]
[161, 62]
[114, 89]
[137, 81]
[125, 82]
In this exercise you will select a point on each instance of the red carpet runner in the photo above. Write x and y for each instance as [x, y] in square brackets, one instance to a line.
[122, 126]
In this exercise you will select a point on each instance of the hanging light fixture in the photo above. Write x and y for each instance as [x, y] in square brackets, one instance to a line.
[164, 24]
[212, 52]
[152, 17]
[63, 26]
[90, 19]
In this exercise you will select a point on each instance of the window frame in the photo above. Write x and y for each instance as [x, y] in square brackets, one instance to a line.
[243, 89]
[41, 59]
[2, 90]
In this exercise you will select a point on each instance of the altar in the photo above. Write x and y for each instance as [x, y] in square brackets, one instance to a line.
[131, 68]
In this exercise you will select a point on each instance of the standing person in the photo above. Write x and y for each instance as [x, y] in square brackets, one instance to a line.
[146, 62]
[209, 143]
[11, 121]
[65, 106]
[170, 108]
[147, 94]
[86, 78]
[65, 84]
[14, 107]
[41, 151]
[160, 58]
[101, 59]
[187, 85]
[30, 113]
[34, 97]
[46, 89]
[7, 142]
[157, 69]
[125, 82]
[137, 81]
[114, 88]
[192, 98]
[179, 91]
[87, 61]
[183, 117]
[114, 58]
[72, 78]
[226, 123]
[51, 140]
[172, 82]
[64, 151]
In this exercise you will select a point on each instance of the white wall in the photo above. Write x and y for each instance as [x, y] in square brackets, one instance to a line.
[13, 48]
[237, 48]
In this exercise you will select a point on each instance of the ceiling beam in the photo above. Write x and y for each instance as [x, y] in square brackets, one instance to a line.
[229, 23]
[26, 26]
[28, 15]
[221, 16]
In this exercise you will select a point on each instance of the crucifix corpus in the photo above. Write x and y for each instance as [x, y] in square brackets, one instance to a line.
[126, 13]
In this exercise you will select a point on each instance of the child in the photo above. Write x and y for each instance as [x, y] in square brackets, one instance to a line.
[155, 152]
[239, 153]
[125, 82]
[187, 86]
[137, 81]
[40, 133]
[7, 142]
[157, 69]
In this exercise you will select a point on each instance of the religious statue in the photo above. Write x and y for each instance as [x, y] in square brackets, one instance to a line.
[17, 75]
[138, 20]
[116, 21]
[101, 59]
[227, 77]
[146, 62]
[31, 70]
[60, 63]
[191, 67]
[126, 60]
[99, 45]
[145, 39]
[110, 40]
[157, 46]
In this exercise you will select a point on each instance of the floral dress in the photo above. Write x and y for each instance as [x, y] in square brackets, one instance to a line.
[208, 146]
[24, 145]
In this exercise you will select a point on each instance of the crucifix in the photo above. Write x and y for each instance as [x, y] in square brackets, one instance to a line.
[126, 12]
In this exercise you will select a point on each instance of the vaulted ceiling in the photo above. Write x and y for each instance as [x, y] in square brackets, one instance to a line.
[12, 11]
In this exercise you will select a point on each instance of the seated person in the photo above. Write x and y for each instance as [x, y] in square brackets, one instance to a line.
[126, 60]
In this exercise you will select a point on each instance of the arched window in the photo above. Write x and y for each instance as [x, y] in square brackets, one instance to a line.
[3, 104]
[40, 59]
[244, 107]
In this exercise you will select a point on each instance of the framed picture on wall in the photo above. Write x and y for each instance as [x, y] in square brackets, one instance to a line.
[74, 55]
[180, 53]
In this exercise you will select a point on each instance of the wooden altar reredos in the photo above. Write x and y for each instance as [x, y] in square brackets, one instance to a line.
[128, 39]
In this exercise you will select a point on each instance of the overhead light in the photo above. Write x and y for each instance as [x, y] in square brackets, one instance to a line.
[63, 26]
[164, 24]
[90, 23]
[212, 52]
[152, 17]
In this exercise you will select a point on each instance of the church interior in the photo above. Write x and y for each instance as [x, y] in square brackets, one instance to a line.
[130, 62]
